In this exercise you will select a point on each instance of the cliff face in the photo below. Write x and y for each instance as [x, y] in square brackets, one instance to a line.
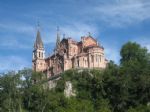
[68, 91]
[73, 83]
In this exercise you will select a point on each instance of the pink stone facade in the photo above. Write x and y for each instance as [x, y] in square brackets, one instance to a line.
[68, 54]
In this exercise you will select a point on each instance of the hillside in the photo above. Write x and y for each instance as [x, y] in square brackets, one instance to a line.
[118, 88]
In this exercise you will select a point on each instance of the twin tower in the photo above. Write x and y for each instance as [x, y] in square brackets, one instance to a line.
[68, 54]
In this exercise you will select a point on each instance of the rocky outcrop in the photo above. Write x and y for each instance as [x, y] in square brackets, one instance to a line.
[68, 92]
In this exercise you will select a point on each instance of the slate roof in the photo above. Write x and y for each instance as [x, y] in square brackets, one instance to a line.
[38, 43]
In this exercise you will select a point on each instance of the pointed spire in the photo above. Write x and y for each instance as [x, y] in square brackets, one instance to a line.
[58, 38]
[38, 43]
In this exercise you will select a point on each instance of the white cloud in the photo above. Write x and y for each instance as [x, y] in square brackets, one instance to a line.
[144, 42]
[118, 13]
[18, 28]
[10, 38]
[74, 30]
[13, 43]
[123, 12]
[112, 54]
[12, 63]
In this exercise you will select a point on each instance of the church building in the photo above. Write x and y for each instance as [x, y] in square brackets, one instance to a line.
[68, 54]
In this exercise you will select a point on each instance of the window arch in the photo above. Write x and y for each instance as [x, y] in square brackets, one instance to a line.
[92, 58]
[39, 54]
[78, 62]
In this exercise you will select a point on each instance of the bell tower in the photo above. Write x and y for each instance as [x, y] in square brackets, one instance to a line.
[38, 62]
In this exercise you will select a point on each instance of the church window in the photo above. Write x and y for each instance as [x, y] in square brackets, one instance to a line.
[78, 63]
[96, 57]
[64, 51]
[92, 58]
[39, 54]
[100, 58]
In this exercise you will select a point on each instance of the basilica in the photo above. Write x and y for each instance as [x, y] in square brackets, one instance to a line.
[68, 54]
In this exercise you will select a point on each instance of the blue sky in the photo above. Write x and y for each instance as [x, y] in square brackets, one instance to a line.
[112, 22]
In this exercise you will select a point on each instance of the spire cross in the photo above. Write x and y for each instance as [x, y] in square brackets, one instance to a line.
[89, 33]
[38, 25]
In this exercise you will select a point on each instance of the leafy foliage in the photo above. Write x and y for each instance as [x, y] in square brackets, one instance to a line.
[118, 88]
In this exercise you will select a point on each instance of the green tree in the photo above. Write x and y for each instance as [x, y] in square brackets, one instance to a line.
[135, 64]
[11, 97]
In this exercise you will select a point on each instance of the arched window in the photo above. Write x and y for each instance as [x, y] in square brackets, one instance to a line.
[100, 58]
[92, 58]
[39, 54]
[96, 57]
[64, 51]
[78, 62]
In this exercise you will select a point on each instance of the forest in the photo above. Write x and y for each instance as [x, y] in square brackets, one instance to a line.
[123, 87]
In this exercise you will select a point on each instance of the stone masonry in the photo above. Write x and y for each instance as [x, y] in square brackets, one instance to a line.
[68, 54]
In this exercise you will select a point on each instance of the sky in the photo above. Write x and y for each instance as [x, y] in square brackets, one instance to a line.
[111, 22]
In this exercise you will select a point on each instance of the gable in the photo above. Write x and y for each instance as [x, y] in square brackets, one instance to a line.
[89, 41]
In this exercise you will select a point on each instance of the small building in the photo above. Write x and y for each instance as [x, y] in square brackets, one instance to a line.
[68, 54]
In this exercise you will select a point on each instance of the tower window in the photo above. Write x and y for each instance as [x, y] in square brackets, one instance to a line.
[39, 54]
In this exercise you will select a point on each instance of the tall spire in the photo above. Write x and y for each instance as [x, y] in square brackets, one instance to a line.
[38, 43]
[58, 38]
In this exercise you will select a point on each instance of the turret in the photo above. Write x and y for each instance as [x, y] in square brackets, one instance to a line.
[58, 39]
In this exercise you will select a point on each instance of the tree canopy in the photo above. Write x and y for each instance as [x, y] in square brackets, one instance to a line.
[118, 88]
